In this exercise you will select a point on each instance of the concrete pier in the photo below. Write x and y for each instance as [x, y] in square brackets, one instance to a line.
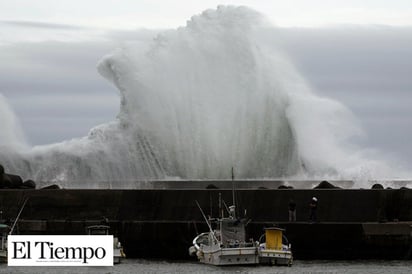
[161, 223]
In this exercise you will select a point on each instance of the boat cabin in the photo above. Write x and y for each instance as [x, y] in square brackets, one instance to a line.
[232, 232]
[98, 230]
[274, 238]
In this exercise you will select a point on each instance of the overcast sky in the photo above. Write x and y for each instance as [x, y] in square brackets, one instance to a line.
[358, 52]
[131, 14]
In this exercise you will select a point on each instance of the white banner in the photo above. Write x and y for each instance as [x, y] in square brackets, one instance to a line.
[60, 250]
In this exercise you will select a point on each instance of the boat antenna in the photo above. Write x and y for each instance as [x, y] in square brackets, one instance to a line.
[220, 205]
[227, 208]
[207, 222]
[211, 207]
[233, 191]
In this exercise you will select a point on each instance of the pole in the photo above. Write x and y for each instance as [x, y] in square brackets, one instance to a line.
[233, 191]
[207, 222]
[18, 216]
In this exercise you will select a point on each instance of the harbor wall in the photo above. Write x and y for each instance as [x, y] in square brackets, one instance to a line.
[162, 223]
[262, 205]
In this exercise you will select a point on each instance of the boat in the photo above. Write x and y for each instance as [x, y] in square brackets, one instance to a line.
[226, 244]
[4, 231]
[275, 249]
[118, 253]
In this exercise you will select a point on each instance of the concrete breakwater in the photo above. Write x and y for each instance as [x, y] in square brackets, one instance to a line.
[162, 222]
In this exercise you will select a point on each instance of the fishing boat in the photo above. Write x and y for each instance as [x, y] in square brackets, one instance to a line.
[118, 253]
[274, 248]
[226, 244]
[4, 231]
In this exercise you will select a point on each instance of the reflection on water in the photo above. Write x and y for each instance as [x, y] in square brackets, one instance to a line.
[151, 266]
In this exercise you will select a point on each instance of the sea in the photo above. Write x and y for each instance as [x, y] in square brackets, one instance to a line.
[156, 266]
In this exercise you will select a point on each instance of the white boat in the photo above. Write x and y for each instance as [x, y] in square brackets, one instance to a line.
[275, 250]
[225, 245]
[118, 253]
[4, 230]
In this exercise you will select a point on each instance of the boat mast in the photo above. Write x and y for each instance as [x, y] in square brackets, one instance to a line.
[220, 205]
[18, 215]
[233, 193]
[207, 222]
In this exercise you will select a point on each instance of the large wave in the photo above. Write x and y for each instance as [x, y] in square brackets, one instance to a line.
[11, 134]
[199, 100]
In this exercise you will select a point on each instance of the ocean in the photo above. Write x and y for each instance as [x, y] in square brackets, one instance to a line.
[156, 266]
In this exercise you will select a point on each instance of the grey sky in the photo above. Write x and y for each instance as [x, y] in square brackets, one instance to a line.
[366, 68]
[49, 53]
[131, 14]
[55, 90]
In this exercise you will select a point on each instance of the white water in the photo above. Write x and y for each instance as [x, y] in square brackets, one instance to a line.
[196, 101]
[159, 267]
[11, 135]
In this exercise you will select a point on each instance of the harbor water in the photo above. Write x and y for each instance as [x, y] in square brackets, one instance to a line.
[153, 266]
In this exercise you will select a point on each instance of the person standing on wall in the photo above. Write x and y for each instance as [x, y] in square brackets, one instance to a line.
[292, 211]
[313, 205]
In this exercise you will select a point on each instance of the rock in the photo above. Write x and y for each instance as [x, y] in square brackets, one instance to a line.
[5, 181]
[325, 185]
[285, 187]
[51, 187]
[14, 181]
[29, 184]
[377, 186]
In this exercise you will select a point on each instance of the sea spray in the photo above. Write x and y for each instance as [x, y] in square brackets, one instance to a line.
[11, 134]
[199, 100]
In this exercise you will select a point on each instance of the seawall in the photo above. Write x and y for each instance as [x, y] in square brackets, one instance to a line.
[162, 222]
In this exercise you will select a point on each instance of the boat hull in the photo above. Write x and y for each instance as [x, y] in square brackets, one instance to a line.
[229, 256]
[3, 257]
[275, 257]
